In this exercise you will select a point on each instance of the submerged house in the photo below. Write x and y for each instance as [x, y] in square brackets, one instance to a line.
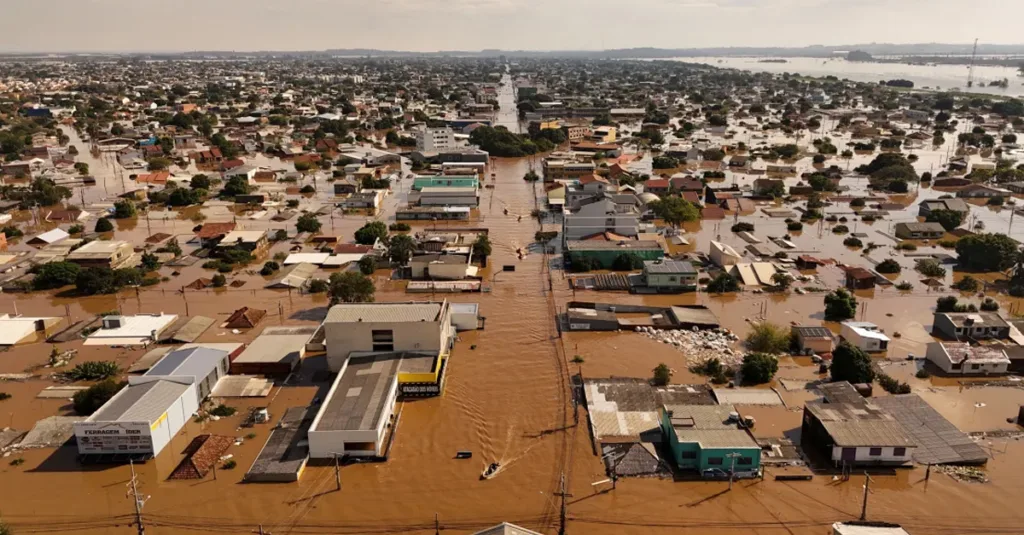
[709, 439]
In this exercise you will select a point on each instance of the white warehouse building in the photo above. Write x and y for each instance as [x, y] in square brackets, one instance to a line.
[142, 418]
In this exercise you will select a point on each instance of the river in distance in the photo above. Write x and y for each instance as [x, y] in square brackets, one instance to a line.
[937, 77]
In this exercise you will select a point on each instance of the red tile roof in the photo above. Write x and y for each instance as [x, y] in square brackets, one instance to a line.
[213, 230]
[352, 248]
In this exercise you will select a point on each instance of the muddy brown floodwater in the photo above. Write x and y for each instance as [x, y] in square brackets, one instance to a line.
[508, 400]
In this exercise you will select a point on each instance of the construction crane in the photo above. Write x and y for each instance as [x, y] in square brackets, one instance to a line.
[970, 70]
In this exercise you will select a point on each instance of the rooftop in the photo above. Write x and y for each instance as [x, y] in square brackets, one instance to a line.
[277, 344]
[193, 362]
[812, 332]
[709, 426]
[98, 249]
[976, 319]
[356, 401]
[963, 352]
[384, 312]
[860, 424]
[669, 267]
[242, 236]
[145, 402]
[602, 245]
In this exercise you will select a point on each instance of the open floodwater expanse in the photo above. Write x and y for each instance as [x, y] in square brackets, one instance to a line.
[508, 398]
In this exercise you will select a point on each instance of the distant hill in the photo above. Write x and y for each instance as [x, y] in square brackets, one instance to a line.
[872, 49]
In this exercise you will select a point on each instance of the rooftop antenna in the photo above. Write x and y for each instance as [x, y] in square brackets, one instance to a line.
[970, 70]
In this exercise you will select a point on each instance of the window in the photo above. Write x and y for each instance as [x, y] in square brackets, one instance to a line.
[383, 340]
[899, 452]
[688, 455]
[715, 460]
[975, 366]
[745, 460]
[875, 452]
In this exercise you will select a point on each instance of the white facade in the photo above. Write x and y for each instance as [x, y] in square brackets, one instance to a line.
[864, 336]
[328, 443]
[386, 328]
[724, 255]
[962, 359]
[434, 139]
[598, 217]
[887, 454]
[145, 427]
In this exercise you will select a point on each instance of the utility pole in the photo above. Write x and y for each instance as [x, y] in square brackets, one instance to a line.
[437, 526]
[337, 471]
[139, 500]
[561, 515]
[732, 467]
[864, 506]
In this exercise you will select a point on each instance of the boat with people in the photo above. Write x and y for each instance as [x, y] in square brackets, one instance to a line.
[490, 471]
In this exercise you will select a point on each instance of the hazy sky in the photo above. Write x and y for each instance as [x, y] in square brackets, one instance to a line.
[427, 25]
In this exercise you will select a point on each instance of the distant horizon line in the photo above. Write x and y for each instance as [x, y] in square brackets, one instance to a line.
[362, 50]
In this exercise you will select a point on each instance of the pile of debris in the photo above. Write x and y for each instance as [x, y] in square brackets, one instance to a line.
[699, 346]
[969, 474]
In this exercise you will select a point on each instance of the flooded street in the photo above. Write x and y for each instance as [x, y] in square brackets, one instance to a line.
[507, 396]
[507, 399]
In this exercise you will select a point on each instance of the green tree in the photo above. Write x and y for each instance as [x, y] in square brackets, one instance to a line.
[124, 209]
[91, 399]
[218, 280]
[82, 168]
[308, 222]
[758, 368]
[888, 266]
[401, 248]
[723, 283]
[104, 225]
[674, 210]
[662, 375]
[368, 264]
[235, 186]
[158, 164]
[150, 262]
[782, 280]
[949, 219]
[950, 303]
[482, 246]
[351, 287]
[102, 280]
[967, 284]
[369, 233]
[665, 162]
[184, 197]
[768, 337]
[200, 182]
[627, 262]
[318, 286]
[987, 252]
[840, 305]
[55, 275]
[851, 364]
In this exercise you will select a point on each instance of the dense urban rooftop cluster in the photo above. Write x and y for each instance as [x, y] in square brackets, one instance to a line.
[654, 270]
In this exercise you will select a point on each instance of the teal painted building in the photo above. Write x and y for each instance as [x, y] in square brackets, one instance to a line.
[421, 182]
[605, 252]
[703, 439]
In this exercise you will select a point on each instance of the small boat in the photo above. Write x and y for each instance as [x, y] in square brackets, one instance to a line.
[490, 471]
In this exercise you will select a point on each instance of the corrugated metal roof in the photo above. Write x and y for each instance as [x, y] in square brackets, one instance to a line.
[383, 312]
[938, 440]
[193, 362]
[140, 403]
[860, 424]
